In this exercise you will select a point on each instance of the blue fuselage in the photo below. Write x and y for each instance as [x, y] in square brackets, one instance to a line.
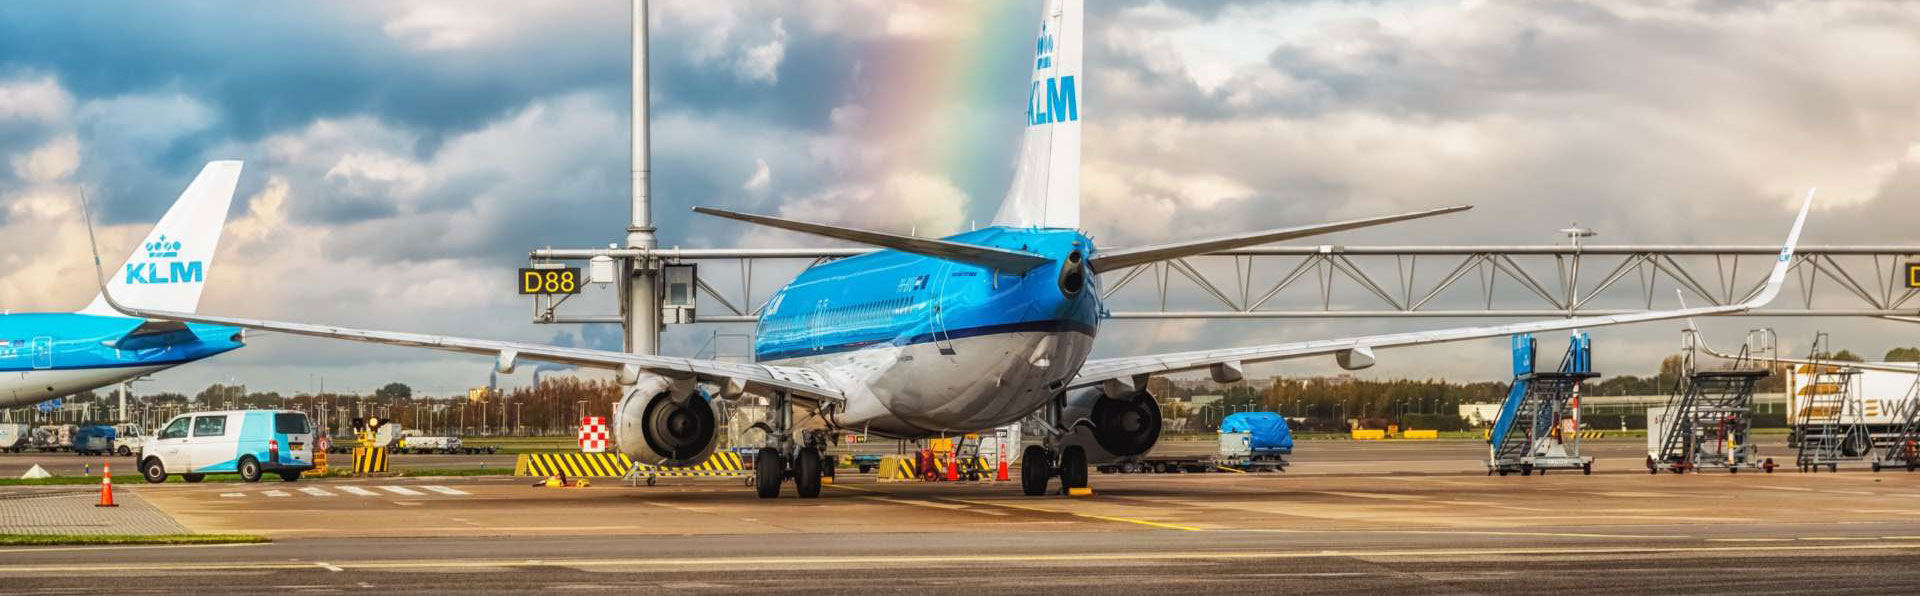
[48, 355]
[942, 345]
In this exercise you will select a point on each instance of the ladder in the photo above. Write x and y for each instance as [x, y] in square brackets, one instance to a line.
[1527, 435]
[1904, 450]
[1709, 417]
[1831, 429]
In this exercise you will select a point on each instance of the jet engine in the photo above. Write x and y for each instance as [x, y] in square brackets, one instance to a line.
[666, 422]
[1112, 428]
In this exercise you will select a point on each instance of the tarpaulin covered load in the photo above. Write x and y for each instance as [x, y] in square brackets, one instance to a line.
[1269, 432]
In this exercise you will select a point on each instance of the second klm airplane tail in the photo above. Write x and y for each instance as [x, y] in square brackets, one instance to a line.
[169, 269]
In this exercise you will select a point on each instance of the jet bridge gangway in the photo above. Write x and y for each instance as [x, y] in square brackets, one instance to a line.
[1330, 281]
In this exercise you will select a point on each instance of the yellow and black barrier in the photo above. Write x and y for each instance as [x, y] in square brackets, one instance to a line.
[725, 463]
[573, 465]
[369, 460]
[898, 467]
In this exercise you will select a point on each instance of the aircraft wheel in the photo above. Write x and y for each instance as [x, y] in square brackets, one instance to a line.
[768, 472]
[1073, 467]
[806, 473]
[1036, 467]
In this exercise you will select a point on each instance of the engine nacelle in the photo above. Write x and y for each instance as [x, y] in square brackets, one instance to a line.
[1112, 429]
[666, 422]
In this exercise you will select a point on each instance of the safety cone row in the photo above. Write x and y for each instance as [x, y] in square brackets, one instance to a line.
[106, 486]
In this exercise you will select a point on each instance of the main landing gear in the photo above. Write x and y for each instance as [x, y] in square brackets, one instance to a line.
[1037, 467]
[1039, 463]
[783, 459]
[771, 469]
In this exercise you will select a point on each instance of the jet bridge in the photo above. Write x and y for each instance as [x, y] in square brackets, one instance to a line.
[1540, 419]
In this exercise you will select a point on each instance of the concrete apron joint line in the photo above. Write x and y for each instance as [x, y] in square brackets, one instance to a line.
[912, 560]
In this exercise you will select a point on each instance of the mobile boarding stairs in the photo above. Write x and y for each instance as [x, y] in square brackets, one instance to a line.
[1539, 421]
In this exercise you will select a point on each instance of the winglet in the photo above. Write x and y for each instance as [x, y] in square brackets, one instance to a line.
[1778, 277]
[99, 272]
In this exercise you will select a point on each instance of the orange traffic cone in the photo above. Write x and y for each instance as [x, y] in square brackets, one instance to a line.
[1002, 476]
[106, 486]
[953, 468]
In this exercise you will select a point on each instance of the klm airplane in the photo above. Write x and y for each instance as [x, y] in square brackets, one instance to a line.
[930, 337]
[48, 355]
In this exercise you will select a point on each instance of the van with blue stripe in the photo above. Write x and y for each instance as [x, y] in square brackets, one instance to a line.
[251, 443]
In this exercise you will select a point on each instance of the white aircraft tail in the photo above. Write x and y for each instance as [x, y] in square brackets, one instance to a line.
[169, 269]
[1046, 183]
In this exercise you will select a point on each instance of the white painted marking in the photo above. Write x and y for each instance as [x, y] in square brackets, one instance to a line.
[355, 490]
[233, 495]
[330, 566]
[445, 490]
[316, 492]
[276, 493]
[401, 490]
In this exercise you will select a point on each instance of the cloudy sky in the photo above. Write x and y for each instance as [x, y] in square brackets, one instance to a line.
[402, 156]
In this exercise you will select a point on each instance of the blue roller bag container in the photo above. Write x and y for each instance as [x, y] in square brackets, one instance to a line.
[1268, 431]
[93, 439]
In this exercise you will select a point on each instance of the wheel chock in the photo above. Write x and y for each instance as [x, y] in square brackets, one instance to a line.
[1080, 492]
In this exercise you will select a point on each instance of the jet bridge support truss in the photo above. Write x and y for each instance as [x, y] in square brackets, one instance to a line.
[1378, 281]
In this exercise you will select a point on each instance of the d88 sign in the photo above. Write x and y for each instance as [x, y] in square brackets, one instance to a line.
[550, 281]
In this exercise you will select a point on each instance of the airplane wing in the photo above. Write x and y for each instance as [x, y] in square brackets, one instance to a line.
[804, 382]
[1360, 348]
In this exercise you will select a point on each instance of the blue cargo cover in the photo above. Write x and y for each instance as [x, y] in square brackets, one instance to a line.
[1269, 433]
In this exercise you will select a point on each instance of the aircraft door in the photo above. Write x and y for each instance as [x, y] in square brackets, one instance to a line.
[941, 339]
[42, 353]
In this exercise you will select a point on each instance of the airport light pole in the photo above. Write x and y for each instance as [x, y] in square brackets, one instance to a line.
[642, 308]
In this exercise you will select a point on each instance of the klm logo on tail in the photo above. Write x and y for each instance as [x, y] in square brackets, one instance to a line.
[1051, 99]
[175, 271]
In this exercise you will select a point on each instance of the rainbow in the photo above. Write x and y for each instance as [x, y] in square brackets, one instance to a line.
[952, 105]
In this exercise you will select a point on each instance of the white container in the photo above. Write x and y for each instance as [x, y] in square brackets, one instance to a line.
[14, 436]
[1236, 444]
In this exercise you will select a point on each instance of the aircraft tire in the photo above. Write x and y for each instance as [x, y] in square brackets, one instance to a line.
[768, 472]
[806, 473]
[1036, 467]
[1073, 467]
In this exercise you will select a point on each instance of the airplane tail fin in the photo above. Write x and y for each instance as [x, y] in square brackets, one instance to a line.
[169, 269]
[1046, 183]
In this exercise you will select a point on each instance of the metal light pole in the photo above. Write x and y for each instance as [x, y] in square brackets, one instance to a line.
[641, 312]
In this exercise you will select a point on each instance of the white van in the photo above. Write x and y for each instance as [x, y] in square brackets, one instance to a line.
[249, 442]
